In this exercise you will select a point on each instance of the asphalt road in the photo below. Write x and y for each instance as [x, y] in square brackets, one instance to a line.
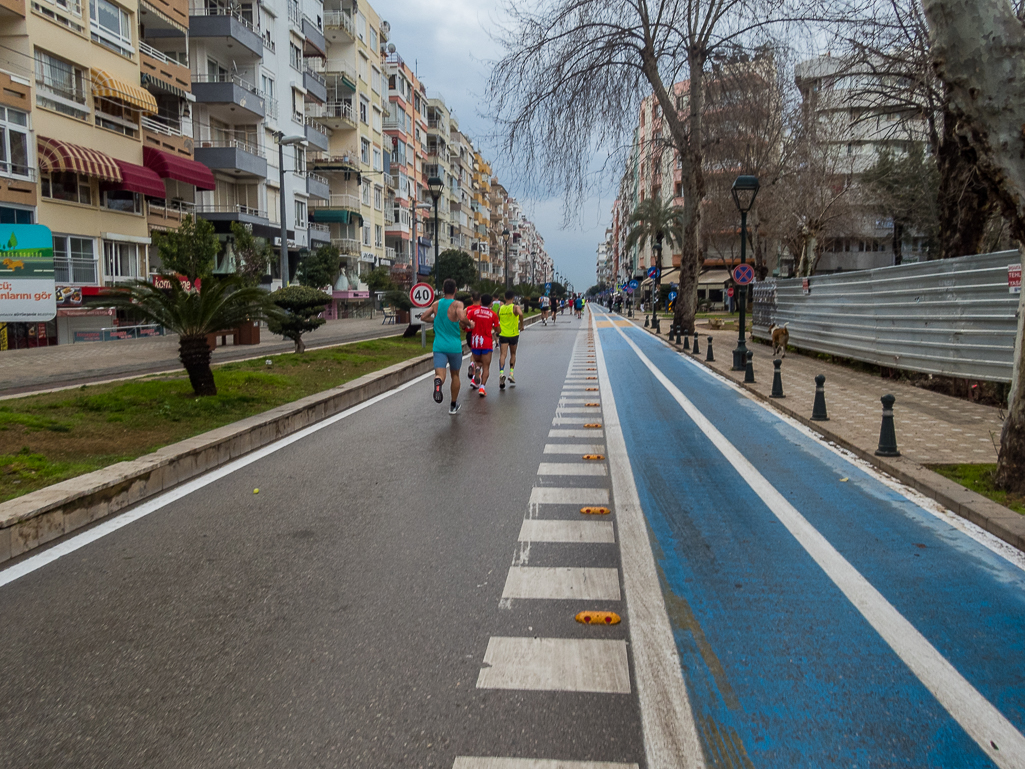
[402, 593]
[348, 614]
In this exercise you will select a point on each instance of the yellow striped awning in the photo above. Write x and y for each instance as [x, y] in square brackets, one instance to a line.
[55, 155]
[107, 86]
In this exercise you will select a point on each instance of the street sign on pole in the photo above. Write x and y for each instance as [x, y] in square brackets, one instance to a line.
[729, 291]
[653, 272]
[633, 284]
[743, 274]
[672, 296]
[1014, 278]
[422, 295]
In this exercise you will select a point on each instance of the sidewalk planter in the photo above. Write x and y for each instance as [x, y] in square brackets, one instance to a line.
[212, 339]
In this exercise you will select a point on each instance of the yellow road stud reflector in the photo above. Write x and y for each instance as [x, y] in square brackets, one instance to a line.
[598, 618]
[593, 424]
[593, 405]
[592, 377]
[256, 491]
[592, 369]
[594, 456]
[591, 389]
[595, 510]
[844, 480]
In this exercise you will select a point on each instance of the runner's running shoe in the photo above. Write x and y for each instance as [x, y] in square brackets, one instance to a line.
[482, 393]
[470, 371]
[453, 409]
[501, 382]
[512, 380]
[438, 397]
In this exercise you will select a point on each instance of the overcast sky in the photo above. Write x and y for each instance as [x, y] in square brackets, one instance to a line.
[447, 43]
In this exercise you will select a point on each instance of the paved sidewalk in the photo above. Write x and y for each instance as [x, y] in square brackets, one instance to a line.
[931, 428]
[24, 371]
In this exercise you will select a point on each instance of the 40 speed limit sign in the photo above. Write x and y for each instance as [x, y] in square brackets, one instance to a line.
[422, 295]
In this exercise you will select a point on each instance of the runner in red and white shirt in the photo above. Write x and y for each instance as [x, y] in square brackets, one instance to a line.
[485, 326]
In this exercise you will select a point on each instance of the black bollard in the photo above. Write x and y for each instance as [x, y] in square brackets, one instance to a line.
[749, 369]
[686, 341]
[709, 358]
[818, 410]
[777, 380]
[887, 433]
[645, 321]
[696, 350]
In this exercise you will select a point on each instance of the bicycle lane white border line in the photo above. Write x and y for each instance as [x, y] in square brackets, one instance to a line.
[670, 735]
[48, 556]
[987, 726]
[990, 541]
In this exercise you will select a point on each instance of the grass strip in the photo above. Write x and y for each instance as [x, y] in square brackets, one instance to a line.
[979, 478]
[48, 438]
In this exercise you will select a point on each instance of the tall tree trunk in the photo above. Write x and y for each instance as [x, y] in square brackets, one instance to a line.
[963, 198]
[194, 353]
[977, 49]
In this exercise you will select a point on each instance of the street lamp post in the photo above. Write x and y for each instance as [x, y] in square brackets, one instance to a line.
[656, 284]
[282, 141]
[505, 236]
[744, 191]
[435, 185]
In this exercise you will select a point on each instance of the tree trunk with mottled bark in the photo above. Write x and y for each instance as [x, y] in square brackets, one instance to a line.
[963, 198]
[978, 47]
[194, 353]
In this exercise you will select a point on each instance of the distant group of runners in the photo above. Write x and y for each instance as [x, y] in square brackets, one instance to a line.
[576, 302]
[484, 320]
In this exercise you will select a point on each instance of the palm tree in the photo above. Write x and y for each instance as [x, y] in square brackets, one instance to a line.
[221, 303]
[656, 220]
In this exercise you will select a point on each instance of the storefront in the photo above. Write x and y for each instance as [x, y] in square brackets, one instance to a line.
[349, 304]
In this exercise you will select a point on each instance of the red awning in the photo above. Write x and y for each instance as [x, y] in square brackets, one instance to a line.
[170, 166]
[139, 179]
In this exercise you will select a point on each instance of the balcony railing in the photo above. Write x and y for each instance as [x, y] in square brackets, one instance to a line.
[332, 109]
[237, 144]
[170, 209]
[389, 253]
[324, 228]
[228, 77]
[336, 67]
[18, 171]
[71, 270]
[231, 209]
[313, 72]
[347, 246]
[201, 10]
[159, 125]
[338, 200]
[339, 20]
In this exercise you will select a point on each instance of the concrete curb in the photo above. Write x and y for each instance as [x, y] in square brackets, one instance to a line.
[1000, 521]
[42, 516]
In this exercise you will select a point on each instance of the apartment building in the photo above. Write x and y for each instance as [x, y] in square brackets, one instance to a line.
[481, 207]
[498, 206]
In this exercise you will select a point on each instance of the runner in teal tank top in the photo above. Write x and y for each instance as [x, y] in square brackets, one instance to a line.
[449, 320]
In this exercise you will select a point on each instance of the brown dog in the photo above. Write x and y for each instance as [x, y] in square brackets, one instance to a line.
[780, 339]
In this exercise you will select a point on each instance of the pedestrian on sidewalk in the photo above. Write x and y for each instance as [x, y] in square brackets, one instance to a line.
[482, 345]
[449, 317]
[510, 319]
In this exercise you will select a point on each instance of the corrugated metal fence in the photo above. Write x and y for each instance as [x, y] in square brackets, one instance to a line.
[954, 317]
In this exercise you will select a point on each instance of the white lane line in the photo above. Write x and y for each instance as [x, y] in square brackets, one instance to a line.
[51, 554]
[591, 532]
[574, 401]
[578, 410]
[477, 762]
[552, 495]
[562, 583]
[572, 468]
[576, 420]
[594, 433]
[574, 448]
[556, 665]
[992, 732]
[670, 735]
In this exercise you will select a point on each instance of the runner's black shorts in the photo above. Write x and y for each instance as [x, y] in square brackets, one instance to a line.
[512, 341]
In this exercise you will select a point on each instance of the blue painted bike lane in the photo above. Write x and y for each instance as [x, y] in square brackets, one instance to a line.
[782, 669]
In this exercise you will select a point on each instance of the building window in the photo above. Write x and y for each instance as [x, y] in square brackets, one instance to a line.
[364, 110]
[377, 159]
[14, 143]
[378, 235]
[67, 185]
[295, 56]
[60, 86]
[120, 261]
[366, 234]
[361, 27]
[379, 198]
[364, 151]
[301, 221]
[111, 26]
[375, 80]
[74, 260]
[377, 119]
[10, 215]
[363, 68]
[124, 201]
[115, 116]
[366, 193]
[373, 38]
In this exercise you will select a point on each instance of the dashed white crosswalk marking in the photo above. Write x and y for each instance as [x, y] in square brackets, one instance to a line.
[576, 433]
[597, 532]
[573, 401]
[476, 762]
[579, 420]
[562, 583]
[555, 495]
[574, 448]
[578, 410]
[556, 664]
[572, 468]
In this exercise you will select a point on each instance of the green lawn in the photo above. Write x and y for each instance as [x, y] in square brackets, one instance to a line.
[49, 438]
[979, 478]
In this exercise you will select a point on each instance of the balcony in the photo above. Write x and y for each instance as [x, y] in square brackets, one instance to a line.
[165, 134]
[162, 70]
[320, 233]
[347, 246]
[233, 213]
[317, 134]
[315, 85]
[338, 74]
[71, 270]
[233, 156]
[317, 186]
[18, 184]
[232, 99]
[389, 253]
[314, 43]
[340, 201]
[334, 114]
[339, 27]
[168, 214]
[238, 34]
[10, 9]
